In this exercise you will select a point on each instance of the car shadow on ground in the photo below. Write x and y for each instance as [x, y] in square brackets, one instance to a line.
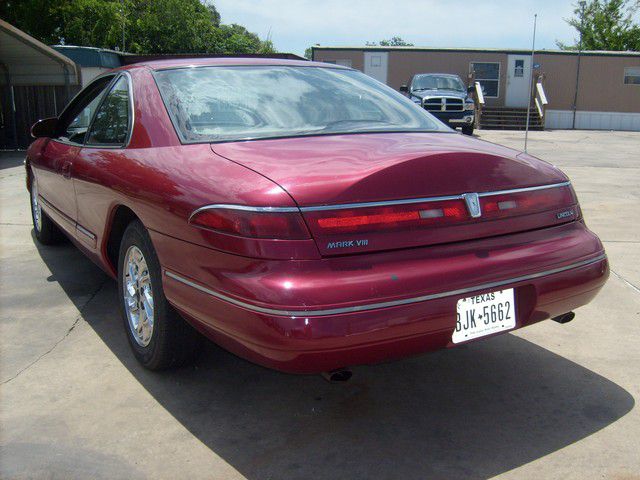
[470, 412]
[10, 159]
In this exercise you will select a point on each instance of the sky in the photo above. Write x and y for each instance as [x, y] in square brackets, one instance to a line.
[295, 25]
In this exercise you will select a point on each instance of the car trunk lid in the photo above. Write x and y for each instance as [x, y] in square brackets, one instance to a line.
[370, 192]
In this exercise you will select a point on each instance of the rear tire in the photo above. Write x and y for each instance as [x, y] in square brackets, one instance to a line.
[158, 336]
[46, 232]
[467, 129]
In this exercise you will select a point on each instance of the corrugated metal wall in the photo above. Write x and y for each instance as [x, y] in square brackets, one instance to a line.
[32, 103]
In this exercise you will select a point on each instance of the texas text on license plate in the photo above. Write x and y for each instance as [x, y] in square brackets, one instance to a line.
[484, 314]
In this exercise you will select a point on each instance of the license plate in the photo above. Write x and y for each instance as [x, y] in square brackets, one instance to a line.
[484, 314]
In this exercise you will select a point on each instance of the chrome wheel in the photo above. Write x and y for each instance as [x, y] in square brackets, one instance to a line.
[138, 295]
[35, 206]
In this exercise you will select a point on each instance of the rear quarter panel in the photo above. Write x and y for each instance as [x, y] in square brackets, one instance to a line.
[162, 181]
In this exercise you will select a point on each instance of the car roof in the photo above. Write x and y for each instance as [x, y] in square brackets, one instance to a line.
[226, 61]
[438, 74]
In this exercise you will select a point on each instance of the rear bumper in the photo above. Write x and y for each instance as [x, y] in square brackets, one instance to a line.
[306, 323]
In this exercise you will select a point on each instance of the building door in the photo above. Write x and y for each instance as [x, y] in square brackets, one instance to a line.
[375, 65]
[518, 78]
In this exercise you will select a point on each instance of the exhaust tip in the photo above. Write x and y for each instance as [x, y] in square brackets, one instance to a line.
[564, 318]
[337, 376]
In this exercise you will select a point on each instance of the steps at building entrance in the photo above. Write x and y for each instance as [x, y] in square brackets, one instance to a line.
[509, 118]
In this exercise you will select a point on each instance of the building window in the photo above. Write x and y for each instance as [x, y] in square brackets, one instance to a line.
[632, 76]
[519, 69]
[488, 74]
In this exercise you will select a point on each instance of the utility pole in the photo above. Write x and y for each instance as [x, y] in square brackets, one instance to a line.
[575, 96]
[533, 49]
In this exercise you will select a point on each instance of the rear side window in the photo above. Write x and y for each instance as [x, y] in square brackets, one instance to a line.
[111, 122]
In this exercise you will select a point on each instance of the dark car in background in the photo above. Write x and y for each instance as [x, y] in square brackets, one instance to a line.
[444, 96]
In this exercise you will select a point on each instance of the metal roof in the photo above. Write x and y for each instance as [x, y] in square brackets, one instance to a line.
[480, 50]
[27, 61]
[227, 61]
[91, 56]
[130, 58]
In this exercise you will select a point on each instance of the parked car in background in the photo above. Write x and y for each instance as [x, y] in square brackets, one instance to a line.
[303, 216]
[445, 97]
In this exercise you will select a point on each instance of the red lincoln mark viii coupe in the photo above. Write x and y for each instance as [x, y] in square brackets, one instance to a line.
[303, 216]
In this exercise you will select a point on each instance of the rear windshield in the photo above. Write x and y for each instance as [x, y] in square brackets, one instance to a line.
[212, 104]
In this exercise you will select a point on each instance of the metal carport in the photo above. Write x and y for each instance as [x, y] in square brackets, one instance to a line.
[35, 82]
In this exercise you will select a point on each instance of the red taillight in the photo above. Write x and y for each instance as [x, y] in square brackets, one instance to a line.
[275, 224]
[360, 220]
[520, 203]
[397, 217]
[411, 216]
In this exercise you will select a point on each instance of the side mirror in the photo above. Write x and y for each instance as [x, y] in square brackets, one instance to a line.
[45, 128]
[404, 89]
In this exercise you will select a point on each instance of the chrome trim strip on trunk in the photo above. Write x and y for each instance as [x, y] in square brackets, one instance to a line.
[373, 306]
[427, 199]
[385, 203]
[246, 208]
[525, 189]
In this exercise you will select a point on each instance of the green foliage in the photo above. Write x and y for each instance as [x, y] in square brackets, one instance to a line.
[605, 25]
[170, 26]
[214, 15]
[151, 26]
[395, 42]
[236, 39]
[391, 42]
[308, 53]
[267, 46]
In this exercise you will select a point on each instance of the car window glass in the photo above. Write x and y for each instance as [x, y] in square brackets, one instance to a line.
[111, 123]
[81, 114]
[434, 82]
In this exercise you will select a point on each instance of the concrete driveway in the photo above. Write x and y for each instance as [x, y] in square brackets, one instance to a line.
[551, 401]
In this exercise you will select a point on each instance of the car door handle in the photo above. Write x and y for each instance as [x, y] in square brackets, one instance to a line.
[66, 169]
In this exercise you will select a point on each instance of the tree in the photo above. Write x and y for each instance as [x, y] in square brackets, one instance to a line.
[605, 25]
[395, 42]
[308, 53]
[214, 15]
[170, 26]
[391, 42]
[235, 38]
[151, 26]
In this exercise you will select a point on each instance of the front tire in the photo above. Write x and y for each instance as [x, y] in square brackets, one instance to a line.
[467, 129]
[158, 336]
[46, 232]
